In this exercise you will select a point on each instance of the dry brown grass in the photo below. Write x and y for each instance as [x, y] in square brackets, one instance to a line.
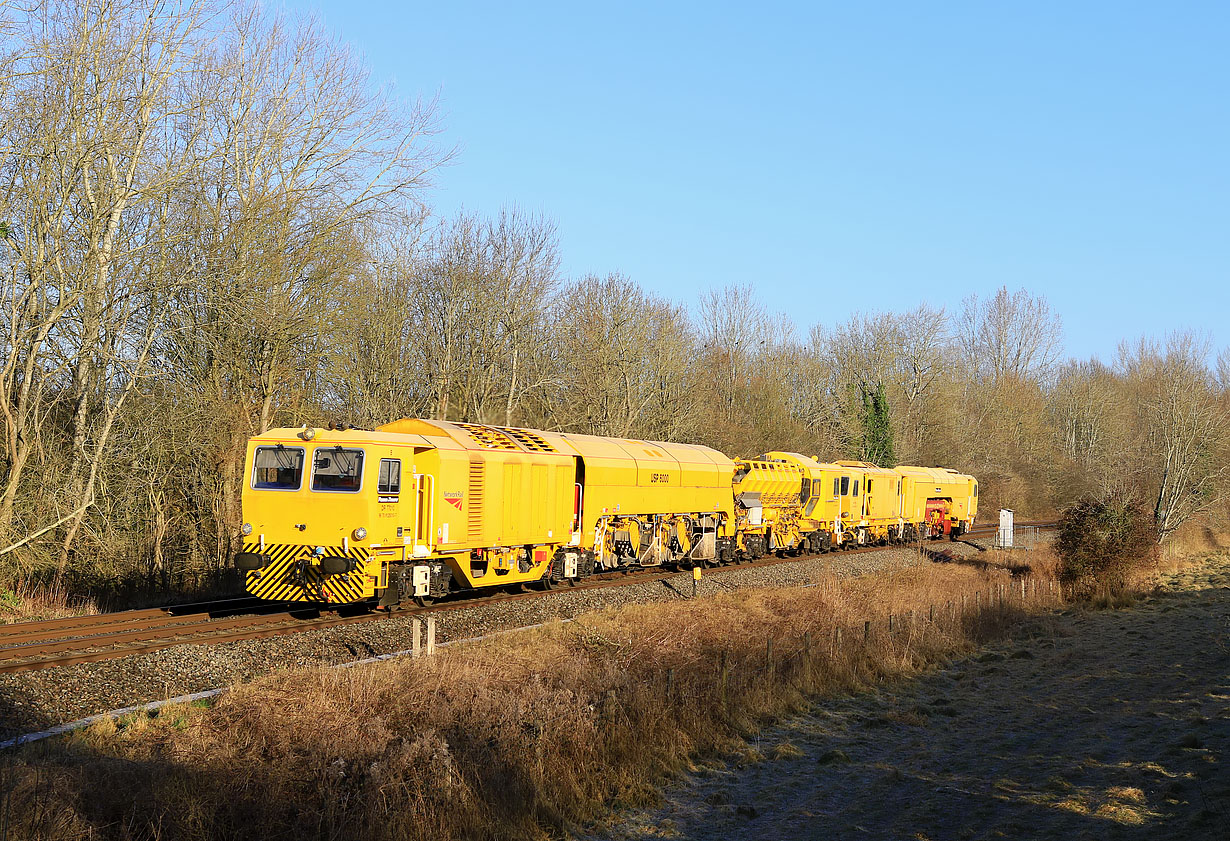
[520, 736]
[1188, 547]
[23, 602]
[1194, 540]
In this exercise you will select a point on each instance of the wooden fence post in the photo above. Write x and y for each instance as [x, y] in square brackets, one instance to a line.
[416, 628]
[431, 635]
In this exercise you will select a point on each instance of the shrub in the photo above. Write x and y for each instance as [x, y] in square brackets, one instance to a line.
[1103, 542]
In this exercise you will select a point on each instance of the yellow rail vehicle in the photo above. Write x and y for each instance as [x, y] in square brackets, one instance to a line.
[940, 501]
[418, 509]
[421, 508]
[779, 498]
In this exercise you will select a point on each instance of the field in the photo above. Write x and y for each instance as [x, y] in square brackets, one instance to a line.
[1087, 724]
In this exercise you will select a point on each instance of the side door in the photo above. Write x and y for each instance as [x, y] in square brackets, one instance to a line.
[846, 500]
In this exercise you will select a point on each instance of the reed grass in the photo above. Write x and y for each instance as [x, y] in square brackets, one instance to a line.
[25, 601]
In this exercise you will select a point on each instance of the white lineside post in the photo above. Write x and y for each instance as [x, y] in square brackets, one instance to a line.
[1004, 538]
[431, 635]
[416, 630]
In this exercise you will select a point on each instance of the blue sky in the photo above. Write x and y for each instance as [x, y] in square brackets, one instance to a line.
[846, 157]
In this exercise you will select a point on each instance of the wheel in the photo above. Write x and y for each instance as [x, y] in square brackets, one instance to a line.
[424, 601]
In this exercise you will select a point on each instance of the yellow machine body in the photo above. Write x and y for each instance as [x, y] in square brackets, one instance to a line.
[495, 505]
[790, 491]
[875, 501]
[940, 491]
[425, 507]
[302, 530]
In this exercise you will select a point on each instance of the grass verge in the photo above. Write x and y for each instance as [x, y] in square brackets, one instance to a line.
[24, 601]
[522, 736]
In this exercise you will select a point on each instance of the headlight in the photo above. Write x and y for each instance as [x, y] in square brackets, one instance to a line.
[360, 533]
[308, 434]
[247, 529]
[319, 551]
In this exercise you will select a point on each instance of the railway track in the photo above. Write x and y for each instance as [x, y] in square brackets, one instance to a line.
[46, 644]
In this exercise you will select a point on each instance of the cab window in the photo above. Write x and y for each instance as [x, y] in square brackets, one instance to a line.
[390, 476]
[278, 468]
[855, 487]
[836, 486]
[845, 485]
[337, 469]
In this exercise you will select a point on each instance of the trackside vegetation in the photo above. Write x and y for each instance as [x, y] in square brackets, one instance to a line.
[1103, 544]
[522, 736]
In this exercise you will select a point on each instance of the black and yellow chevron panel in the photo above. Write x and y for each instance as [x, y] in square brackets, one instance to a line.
[291, 577]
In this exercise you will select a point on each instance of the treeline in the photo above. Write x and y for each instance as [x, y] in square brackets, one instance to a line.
[215, 224]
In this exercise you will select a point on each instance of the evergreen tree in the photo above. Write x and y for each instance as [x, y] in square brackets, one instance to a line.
[877, 446]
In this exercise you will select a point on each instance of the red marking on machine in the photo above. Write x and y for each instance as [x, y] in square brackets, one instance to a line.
[937, 517]
[453, 498]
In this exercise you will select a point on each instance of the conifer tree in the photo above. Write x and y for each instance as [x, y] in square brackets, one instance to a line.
[877, 446]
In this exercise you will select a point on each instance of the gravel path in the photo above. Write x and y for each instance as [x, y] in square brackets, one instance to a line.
[1111, 724]
[31, 701]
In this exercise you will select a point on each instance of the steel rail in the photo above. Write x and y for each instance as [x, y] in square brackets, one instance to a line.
[96, 619]
[118, 622]
[169, 629]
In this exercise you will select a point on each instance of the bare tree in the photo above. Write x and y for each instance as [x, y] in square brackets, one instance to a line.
[91, 159]
[1010, 336]
[899, 355]
[1086, 403]
[484, 289]
[1223, 370]
[185, 201]
[377, 370]
[735, 331]
[1185, 425]
[745, 371]
[301, 159]
[625, 356]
